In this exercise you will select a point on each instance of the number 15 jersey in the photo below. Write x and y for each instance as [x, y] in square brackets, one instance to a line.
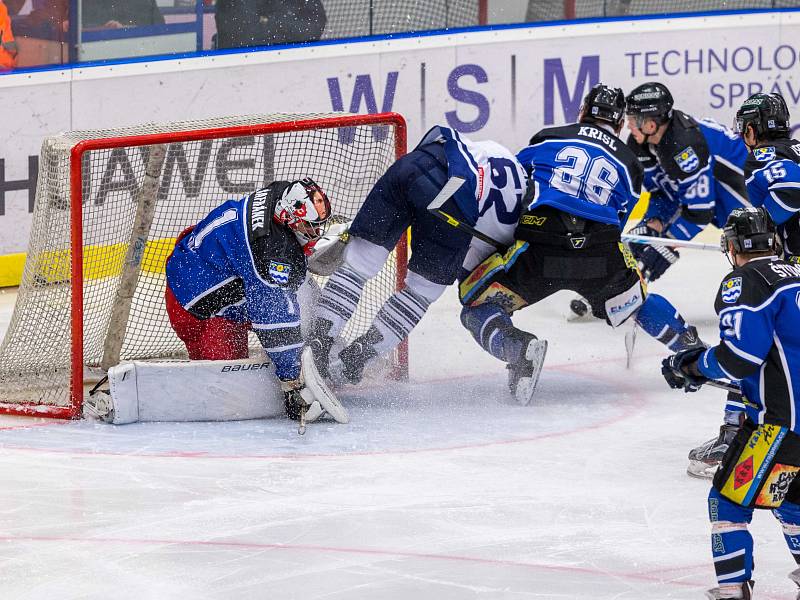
[584, 170]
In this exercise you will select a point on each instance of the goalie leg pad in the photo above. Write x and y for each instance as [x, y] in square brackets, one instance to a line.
[193, 391]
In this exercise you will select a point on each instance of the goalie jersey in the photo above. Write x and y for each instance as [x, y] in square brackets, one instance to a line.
[584, 170]
[491, 198]
[759, 310]
[772, 175]
[239, 264]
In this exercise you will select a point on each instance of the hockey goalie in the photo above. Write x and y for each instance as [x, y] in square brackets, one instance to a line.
[241, 268]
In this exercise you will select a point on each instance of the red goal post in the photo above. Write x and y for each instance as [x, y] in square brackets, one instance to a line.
[122, 196]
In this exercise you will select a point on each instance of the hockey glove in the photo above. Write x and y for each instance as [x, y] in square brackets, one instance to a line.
[653, 260]
[680, 370]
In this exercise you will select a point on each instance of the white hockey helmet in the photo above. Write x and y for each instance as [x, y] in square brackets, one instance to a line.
[304, 208]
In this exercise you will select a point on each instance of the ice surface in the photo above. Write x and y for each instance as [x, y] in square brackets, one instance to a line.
[434, 490]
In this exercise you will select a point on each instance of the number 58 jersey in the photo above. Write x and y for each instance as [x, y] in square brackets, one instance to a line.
[584, 170]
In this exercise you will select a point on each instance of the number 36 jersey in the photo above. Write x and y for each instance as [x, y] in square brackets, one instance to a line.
[584, 170]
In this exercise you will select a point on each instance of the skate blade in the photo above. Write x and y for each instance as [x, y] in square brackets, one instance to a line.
[322, 393]
[630, 344]
[526, 387]
[701, 470]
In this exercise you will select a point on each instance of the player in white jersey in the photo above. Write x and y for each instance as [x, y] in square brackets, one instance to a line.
[489, 201]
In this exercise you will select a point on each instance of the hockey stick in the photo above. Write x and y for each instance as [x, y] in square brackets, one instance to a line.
[435, 208]
[658, 241]
[728, 387]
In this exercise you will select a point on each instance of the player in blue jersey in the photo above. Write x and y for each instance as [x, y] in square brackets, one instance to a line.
[694, 171]
[760, 347]
[772, 170]
[583, 179]
[692, 168]
[238, 270]
[489, 201]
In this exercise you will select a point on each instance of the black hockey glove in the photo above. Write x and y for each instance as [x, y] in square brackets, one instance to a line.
[680, 370]
[653, 260]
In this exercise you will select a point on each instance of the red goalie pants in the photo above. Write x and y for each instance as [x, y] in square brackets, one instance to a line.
[206, 339]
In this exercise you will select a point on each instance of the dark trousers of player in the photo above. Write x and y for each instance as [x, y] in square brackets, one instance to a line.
[567, 252]
[759, 470]
[400, 200]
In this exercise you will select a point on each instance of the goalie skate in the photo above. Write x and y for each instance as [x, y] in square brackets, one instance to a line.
[524, 377]
[322, 393]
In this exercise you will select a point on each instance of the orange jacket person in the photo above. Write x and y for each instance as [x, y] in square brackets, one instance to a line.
[8, 47]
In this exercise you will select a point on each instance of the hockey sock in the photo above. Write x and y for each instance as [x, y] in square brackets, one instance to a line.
[789, 515]
[340, 298]
[661, 320]
[397, 317]
[492, 328]
[731, 542]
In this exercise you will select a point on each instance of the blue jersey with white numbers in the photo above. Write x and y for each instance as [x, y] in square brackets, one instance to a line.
[584, 170]
[759, 309]
[237, 263]
[695, 175]
[773, 181]
[491, 198]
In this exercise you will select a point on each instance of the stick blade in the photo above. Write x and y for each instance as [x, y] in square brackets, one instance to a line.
[451, 187]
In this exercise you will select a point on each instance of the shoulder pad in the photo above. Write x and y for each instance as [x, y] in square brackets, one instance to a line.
[756, 281]
[683, 151]
[683, 120]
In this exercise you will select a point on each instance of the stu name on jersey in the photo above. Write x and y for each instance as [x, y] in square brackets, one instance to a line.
[597, 134]
[257, 212]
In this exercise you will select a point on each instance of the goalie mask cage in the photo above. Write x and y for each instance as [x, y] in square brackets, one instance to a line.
[109, 205]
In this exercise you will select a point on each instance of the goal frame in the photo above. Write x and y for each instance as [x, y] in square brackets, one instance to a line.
[74, 409]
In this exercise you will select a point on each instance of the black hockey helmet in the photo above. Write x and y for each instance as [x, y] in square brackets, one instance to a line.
[604, 103]
[766, 113]
[750, 230]
[650, 100]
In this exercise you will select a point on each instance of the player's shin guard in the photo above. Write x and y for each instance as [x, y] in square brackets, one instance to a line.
[395, 320]
[662, 321]
[340, 298]
[731, 543]
[789, 515]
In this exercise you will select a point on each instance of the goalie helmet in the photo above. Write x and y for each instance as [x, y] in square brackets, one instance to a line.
[650, 100]
[604, 103]
[749, 230]
[304, 208]
[767, 114]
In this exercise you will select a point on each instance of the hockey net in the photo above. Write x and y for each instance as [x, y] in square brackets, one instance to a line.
[92, 290]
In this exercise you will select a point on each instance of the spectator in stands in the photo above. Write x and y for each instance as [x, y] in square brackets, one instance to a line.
[243, 23]
[8, 47]
[120, 13]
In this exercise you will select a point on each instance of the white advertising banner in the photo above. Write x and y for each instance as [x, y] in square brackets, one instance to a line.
[502, 84]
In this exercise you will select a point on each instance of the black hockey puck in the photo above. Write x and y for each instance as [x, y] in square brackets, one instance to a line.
[578, 307]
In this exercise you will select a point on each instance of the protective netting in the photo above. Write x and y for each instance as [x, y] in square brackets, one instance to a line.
[354, 18]
[549, 10]
[195, 177]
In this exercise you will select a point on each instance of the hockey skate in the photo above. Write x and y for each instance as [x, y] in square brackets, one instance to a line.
[795, 576]
[523, 375]
[705, 459]
[356, 355]
[744, 593]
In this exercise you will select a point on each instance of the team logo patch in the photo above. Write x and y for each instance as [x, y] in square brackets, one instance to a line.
[279, 272]
[687, 160]
[743, 474]
[731, 290]
[773, 492]
[764, 154]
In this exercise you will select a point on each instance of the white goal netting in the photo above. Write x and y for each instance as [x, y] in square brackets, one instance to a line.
[195, 167]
